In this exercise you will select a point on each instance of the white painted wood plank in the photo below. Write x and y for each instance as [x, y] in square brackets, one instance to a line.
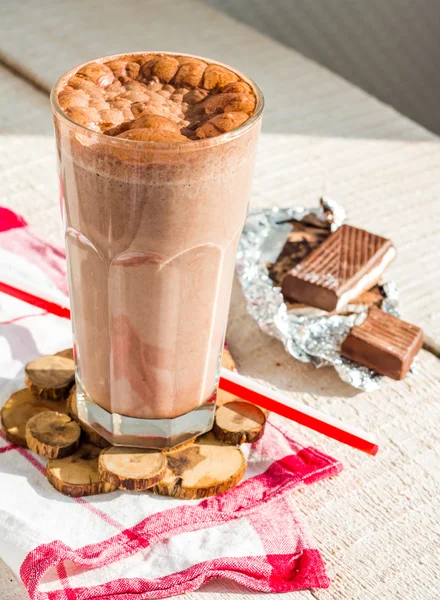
[27, 155]
[379, 516]
[388, 48]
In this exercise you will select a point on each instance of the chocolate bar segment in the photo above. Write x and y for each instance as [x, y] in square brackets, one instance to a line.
[347, 263]
[383, 343]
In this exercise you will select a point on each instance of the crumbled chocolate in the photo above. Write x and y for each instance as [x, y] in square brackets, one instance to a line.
[301, 242]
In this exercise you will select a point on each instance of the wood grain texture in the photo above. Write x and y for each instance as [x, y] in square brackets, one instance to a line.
[50, 377]
[360, 518]
[205, 468]
[132, 469]
[52, 434]
[19, 408]
[239, 422]
[77, 475]
[376, 520]
[365, 42]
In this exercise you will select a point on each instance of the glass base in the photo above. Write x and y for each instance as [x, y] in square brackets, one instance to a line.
[145, 433]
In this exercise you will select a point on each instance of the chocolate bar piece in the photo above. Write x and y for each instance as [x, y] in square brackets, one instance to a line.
[383, 343]
[347, 263]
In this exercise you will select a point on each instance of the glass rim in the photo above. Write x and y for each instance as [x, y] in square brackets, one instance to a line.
[136, 144]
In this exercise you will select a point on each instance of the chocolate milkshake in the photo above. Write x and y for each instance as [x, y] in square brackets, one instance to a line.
[156, 153]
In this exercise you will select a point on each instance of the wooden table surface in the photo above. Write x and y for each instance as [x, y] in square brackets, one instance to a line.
[377, 522]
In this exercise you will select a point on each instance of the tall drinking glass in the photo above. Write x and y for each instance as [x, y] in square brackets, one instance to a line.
[151, 231]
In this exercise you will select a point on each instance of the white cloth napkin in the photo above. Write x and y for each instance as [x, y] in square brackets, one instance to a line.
[128, 546]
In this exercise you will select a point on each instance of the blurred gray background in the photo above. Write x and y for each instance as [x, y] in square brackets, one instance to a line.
[390, 48]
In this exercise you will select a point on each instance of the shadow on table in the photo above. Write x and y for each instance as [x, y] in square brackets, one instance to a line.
[21, 344]
[22, 348]
[260, 356]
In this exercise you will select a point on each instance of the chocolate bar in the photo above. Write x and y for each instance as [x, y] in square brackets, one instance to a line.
[383, 343]
[347, 263]
[366, 300]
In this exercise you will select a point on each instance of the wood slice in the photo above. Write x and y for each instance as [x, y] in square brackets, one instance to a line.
[50, 377]
[77, 475]
[17, 411]
[89, 434]
[238, 422]
[134, 469]
[202, 469]
[67, 353]
[52, 434]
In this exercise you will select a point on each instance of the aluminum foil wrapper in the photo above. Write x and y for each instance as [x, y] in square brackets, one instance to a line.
[309, 335]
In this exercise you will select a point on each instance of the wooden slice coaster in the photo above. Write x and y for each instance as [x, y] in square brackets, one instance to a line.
[52, 434]
[77, 475]
[89, 434]
[50, 377]
[17, 411]
[180, 446]
[67, 353]
[202, 469]
[134, 469]
[238, 422]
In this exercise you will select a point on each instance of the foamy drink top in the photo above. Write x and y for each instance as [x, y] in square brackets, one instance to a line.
[157, 98]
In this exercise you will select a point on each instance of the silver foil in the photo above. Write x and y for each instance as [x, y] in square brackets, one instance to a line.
[309, 335]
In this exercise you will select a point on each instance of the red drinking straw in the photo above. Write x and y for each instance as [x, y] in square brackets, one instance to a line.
[230, 381]
[50, 306]
[276, 402]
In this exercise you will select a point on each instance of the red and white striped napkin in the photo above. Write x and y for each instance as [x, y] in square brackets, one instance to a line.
[126, 546]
